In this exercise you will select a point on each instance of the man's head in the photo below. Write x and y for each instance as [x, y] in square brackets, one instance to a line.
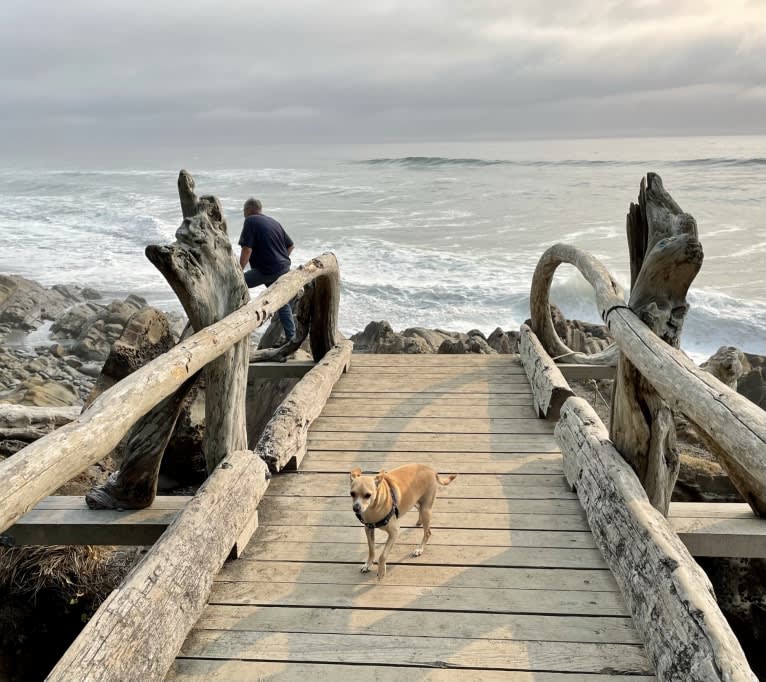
[252, 207]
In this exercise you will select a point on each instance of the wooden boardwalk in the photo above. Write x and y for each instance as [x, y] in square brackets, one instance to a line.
[511, 585]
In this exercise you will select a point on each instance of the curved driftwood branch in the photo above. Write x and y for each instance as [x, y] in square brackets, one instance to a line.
[285, 436]
[43, 466]
[668, 594]
[731, 420]
[665, 257]
[607, 288]
[137, 632]
[201, 268]
[302, 314]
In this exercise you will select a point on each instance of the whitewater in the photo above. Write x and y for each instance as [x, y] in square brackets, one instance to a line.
[435, 235]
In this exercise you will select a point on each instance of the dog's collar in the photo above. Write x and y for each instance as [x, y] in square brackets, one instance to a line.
[385, 520]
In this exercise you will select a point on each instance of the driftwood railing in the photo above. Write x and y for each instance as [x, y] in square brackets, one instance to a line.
[624, 477]
[138, 630]
[734, 427]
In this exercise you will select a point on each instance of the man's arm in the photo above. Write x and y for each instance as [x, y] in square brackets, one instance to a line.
[244, 256]
[290, 249]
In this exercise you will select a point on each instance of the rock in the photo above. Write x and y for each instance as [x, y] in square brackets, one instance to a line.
[583, 337]
[703, 480]
[57, 350]
[24, 304]
[379, 337]
[51, 393]
[452, 347]
[506, 343]
[75, 320]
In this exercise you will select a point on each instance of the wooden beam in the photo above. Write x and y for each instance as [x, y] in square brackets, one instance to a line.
[669, 596]
[292, 369]
[137, 632]
[43, 466]
[284, 439]
[586, 372]
[549, 387]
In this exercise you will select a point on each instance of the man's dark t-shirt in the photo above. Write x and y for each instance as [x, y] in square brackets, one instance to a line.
[269, 242]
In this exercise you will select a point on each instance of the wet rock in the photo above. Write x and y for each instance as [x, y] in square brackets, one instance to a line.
[51, 393]
[582, 337]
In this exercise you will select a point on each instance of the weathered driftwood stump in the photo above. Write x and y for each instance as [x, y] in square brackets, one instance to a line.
[665, 256]
[201, 268]
[146, 336]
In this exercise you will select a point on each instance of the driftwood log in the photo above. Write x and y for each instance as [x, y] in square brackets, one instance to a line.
[267, 350]
[28, 423]
[201, 268]
[665, 256]
[43, 466]
[137, 632]
[284, 439]
[549, 387]
[668, 594]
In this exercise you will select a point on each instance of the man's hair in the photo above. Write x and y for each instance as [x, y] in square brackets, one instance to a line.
[252, 202]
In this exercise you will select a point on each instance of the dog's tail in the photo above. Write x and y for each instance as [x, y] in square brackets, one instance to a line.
[449, 480]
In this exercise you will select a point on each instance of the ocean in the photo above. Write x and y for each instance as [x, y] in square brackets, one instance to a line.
[436, 235]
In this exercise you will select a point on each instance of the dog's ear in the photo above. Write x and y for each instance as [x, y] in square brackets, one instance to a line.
[355, 473]
[379, 477]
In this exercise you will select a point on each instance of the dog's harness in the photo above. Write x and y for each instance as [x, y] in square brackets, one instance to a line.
[384, 521]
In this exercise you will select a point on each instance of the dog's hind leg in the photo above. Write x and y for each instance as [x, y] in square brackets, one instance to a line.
[425, 520]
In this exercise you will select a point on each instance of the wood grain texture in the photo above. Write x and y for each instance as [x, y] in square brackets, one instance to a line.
[285, 437]
[549, 387]
[669, 596]
[159, 601]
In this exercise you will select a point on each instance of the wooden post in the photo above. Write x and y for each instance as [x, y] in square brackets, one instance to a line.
[665, 256]
[201, 268]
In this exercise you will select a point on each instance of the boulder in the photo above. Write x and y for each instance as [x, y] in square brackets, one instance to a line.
[24, 304]
[379, 337]
[506, 343]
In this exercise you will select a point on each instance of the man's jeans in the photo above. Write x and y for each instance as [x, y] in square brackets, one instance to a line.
[254, 278]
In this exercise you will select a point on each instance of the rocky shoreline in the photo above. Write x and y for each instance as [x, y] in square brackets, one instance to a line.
[54, 341]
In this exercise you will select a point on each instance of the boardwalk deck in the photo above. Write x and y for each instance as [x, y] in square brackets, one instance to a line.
[510, 581]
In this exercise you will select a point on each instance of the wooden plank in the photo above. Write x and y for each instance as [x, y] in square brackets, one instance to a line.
[439, 555]
[440, 519]
[361, 408]
[446, 373]
[399, 397]
[369, 593]
[489, 578]
[357, 384]
[481, 486]
[586, 372]
[721, 510]
[398, 359]
[171, 502]
[201, 670]
[291, 369]
[499, 463]
[431, 442]
[356, 424]
[722, 537]
[442, 536]
[445, 504]
[512, 626]
[548, 384]
[366, 649]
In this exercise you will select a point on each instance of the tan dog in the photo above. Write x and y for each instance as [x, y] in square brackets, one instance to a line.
[380, 501]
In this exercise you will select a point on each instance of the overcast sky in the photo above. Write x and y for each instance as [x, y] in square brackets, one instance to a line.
[79, 72]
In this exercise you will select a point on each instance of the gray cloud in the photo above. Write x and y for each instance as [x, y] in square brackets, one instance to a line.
[85, 71]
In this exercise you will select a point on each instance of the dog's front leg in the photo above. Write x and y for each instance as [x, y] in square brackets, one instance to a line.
[370, 532]
[393, 532]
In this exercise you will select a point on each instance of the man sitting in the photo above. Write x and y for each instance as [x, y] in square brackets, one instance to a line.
[267, 247]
